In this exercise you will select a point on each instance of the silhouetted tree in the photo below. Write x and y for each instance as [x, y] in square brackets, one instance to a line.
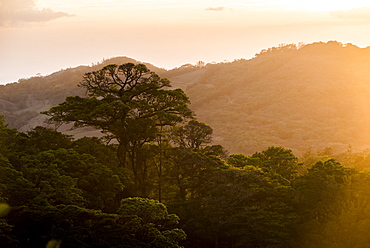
[130, 104]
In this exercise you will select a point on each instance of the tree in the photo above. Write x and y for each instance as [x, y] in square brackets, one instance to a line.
[238, 208]
[14, 188]
[7, 239]
[139, 223]
[187, 172]
[66, 168]
[46, 139]
[237, 160]
[322, 196]
[277, 160]
[127, 102]
[190, 159]
[154, 226]
[2, 133]
[7, 138]
[193, 135]
[72, 225]
[104, 154]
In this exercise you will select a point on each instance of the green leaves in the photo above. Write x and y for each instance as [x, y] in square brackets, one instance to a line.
[154, 226]
[237, 160]
[193, 135]
[121, 97]
[130, 104]
[74, 178]
[276, 160]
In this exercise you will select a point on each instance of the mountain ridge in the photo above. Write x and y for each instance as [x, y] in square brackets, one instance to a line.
[296, 96]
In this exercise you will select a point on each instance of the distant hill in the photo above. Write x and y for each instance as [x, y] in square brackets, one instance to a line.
[22, 102]
[315, 95]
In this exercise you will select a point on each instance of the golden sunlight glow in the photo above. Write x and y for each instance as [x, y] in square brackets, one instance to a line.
[222, 29]
[325, 5]
[313, 5]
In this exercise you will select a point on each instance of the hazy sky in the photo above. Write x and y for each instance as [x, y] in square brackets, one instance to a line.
[43, 36]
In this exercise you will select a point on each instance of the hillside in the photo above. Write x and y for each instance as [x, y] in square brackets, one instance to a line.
[315, 95]
[22, 102]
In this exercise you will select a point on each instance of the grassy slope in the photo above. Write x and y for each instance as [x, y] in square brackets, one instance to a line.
[314, 96]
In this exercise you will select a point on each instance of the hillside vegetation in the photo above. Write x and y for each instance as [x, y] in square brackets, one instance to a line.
[314, 95]
[162, 182]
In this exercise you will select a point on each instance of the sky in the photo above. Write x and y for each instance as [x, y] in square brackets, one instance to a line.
[39, 37]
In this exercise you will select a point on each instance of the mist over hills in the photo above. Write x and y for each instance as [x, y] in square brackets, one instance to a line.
[314, 95]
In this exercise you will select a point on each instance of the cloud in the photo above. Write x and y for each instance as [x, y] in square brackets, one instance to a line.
[358, 13]
[215, 9]
[13, 12]
[39, 15]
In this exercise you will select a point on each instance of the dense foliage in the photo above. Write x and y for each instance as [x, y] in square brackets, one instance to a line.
[74, 191]
[175, 189]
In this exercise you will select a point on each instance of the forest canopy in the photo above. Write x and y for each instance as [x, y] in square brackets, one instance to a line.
[164, 183]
